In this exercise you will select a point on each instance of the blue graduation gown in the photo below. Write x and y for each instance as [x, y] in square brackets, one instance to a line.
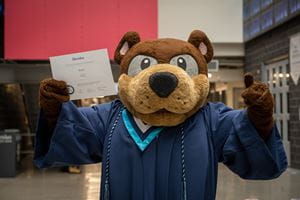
[214, 134]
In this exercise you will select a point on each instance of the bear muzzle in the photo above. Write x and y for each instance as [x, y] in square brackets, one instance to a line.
[163, 83]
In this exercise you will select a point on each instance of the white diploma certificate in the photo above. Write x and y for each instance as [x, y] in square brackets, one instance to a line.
[87, 74]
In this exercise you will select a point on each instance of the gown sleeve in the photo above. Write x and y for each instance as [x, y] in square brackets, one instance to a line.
[239, 146]
[78, 136]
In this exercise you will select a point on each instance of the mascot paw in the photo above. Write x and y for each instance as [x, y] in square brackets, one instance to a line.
[259, 101]
[257, 94]
[52, 94]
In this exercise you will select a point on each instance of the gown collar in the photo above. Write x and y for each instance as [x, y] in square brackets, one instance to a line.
[133, 130]
[141, 125]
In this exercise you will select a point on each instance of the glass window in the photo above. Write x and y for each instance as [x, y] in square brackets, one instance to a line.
[280, 76]
[254, 7]
[266, 19]
[274, 77]
[274, 96]
[246, 12]
[294, 6]
[265, 3]
[280, 102]
[280, 10]
[246, 31]
[287, 75]
[254, 26]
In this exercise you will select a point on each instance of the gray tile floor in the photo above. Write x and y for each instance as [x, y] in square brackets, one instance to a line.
[51, 184]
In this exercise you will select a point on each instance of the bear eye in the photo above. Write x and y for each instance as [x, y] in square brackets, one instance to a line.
[145, 63]
[140, 62]
[186, 62]
[181, 62]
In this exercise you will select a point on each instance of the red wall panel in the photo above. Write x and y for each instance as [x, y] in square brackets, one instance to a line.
[37, 29]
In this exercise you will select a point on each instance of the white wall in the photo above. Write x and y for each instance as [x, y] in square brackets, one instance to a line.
[221, 20]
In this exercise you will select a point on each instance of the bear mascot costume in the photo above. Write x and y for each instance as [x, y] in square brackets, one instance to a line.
[162, 140]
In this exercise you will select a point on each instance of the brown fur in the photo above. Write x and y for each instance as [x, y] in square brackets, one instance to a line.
[163, 50]
[196, 38]
[189, 95]
[52, 94]
[132, 38]
[260, 103]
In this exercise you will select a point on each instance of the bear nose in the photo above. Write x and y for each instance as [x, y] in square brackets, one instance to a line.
[163, 83]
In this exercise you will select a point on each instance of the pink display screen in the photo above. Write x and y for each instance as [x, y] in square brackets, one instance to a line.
[38, 29]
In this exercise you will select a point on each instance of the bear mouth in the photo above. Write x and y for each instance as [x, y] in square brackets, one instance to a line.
[162, 111]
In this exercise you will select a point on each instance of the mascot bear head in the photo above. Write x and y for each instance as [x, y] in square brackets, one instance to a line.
[163, 81]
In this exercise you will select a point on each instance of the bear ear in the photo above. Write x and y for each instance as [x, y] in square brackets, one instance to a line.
[128, 40]
[201, 42]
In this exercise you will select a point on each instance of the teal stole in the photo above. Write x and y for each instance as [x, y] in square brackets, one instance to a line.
[142, 144]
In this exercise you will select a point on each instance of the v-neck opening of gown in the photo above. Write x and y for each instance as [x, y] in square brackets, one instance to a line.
[141, 134]
[142, 140]
[141, 125]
